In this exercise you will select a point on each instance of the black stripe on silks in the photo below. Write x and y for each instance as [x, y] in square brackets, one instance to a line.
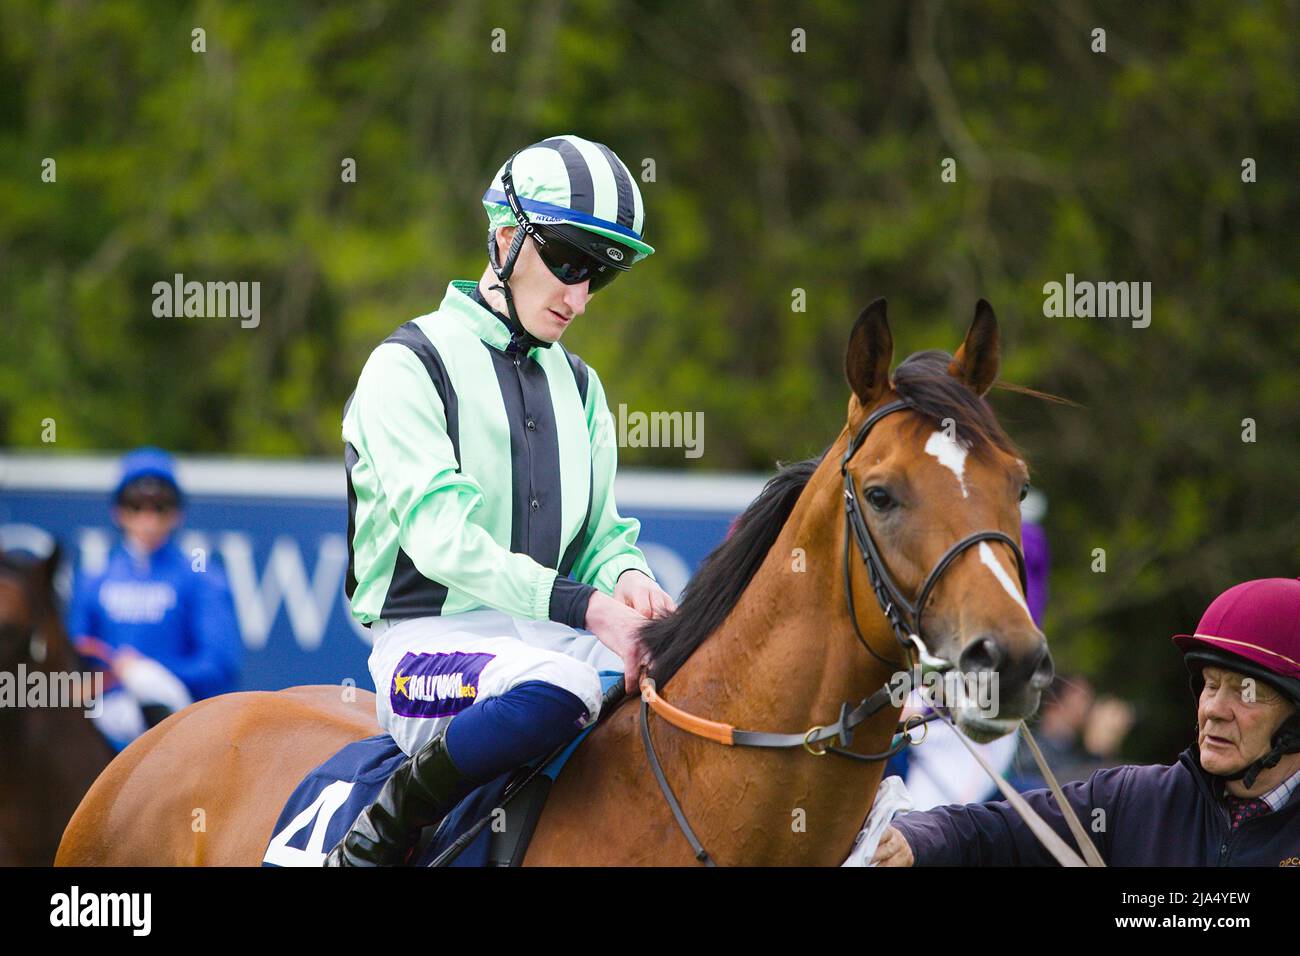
[545, 521]
[511, 396]
[534, 457]
[626, 204]
[410, 593]
[579, 541]
[579, 374]
[350, 458]
[409, 334]
[580, 378]
[582, 192]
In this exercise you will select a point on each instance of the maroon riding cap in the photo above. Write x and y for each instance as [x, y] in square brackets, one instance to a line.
[1256, 620]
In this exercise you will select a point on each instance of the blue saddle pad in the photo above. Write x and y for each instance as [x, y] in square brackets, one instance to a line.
[324, 805]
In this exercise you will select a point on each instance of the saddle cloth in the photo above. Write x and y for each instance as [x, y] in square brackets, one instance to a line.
[325, 804]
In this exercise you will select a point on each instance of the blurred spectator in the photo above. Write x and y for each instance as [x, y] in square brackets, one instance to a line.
[1230, 799]
[164, 629]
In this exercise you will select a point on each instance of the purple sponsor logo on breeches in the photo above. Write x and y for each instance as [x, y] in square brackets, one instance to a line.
[436, 685]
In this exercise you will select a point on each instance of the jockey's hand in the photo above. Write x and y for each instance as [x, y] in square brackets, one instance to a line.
[643, 595]
[616, 626]
[893, 850]
[148, 681]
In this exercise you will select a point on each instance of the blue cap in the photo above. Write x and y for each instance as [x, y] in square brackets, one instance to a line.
[148, 462]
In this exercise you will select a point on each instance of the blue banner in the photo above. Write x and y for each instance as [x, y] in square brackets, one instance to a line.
[285, 554]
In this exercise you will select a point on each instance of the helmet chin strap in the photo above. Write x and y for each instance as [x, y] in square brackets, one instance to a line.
[520, 337]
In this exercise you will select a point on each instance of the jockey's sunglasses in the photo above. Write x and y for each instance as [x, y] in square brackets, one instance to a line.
[564, 248]
[160, 505]
[570, 264]
[149, 494]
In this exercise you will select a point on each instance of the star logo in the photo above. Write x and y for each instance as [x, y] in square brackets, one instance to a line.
[399, 685]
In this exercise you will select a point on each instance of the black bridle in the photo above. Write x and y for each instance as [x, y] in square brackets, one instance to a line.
[904, 616]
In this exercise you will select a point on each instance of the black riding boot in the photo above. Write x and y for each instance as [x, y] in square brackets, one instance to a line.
[418, 794]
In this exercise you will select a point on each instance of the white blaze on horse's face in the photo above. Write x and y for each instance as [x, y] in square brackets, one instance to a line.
[951, 454]
[990, 561]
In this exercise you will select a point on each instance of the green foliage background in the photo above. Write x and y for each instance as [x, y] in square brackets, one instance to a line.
[774, 170]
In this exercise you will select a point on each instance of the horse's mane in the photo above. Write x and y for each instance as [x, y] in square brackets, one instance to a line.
[923, 380]
[716, 587]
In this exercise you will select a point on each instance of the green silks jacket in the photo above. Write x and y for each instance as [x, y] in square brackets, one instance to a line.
[480, 475]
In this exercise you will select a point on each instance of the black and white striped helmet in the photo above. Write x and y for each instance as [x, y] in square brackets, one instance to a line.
[566, 182]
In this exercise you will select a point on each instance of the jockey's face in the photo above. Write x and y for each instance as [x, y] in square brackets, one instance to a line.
[544, 304]
[147, 527]
[1236, 717]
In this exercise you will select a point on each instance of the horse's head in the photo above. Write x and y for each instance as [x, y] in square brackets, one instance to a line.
[27, 606]
[927, 477]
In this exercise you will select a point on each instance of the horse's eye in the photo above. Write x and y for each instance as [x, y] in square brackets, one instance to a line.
[879, 499]
[1024, 492]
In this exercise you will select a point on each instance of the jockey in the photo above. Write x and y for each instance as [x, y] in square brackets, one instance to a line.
[482, 528]
[1233, 799]
[166, 631]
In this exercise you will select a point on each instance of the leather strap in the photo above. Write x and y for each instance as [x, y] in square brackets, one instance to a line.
[701, 854]
[1048, 837]
[729, 736]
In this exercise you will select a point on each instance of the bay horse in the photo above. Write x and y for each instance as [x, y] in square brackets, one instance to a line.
[762, 638]
[49, 755]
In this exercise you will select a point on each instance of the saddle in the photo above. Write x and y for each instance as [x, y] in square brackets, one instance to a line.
[492, 826]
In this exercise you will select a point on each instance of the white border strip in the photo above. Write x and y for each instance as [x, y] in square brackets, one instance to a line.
[323, 480]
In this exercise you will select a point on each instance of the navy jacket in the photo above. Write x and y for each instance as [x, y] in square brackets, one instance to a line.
[1136, 816]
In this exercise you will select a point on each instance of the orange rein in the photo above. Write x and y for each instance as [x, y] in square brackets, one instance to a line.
[709, 729]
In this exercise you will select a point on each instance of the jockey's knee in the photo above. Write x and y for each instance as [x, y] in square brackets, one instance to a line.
[577, 677]
[529, 720]
[522, 701]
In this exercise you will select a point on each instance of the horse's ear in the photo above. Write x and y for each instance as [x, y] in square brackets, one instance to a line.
[871, 349]
[976, 362]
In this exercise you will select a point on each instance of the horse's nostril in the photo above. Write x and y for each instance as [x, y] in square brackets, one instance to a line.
[1044, 670]
[981, 655]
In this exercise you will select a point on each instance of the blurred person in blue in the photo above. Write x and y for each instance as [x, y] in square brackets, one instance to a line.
[163, 627]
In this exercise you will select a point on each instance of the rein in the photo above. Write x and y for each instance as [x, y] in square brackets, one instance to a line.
[904, 617]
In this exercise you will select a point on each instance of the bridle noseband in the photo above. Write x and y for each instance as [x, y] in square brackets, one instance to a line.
[904, 616]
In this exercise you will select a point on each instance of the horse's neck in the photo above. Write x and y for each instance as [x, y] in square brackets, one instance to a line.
[23, 729]
[784, 660]
[59, 653]
[50, 756]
